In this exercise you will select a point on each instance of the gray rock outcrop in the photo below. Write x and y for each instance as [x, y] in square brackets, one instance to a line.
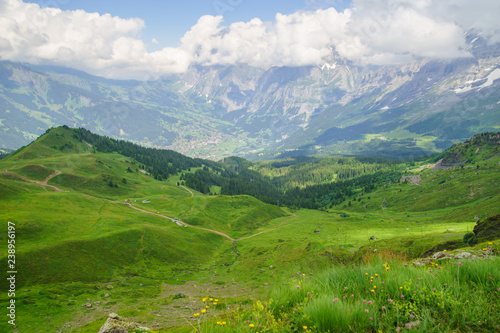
[117, 324]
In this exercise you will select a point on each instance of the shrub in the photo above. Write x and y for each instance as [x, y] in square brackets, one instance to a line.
[470, 238]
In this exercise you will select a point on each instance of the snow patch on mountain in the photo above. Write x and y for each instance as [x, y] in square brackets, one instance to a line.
[495, 75]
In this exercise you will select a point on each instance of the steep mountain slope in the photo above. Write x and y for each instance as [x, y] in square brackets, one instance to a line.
[406, 110]
[35, 98]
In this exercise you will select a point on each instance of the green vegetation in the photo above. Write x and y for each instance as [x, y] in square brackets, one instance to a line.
[119, 246]
[35, 172]
[389, 296]
[302, 171]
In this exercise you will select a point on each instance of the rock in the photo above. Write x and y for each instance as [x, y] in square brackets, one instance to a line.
[87, 305]
[373, 238]
[106, 296]
[117, 324]
[463, 255]
[97, 303]
[316, 231]
[110, 287]
[422, 262]
[441, 255]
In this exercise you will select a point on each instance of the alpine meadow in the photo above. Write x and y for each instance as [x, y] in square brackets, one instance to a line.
[243, 166]
[105, 226]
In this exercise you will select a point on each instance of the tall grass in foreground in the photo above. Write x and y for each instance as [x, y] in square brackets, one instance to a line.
[379, 297]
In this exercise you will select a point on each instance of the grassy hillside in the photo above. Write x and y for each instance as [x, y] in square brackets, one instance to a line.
[67, 202]
[98, 226]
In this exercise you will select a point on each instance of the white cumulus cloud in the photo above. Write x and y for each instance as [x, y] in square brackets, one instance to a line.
[370, 32]
[100, 44]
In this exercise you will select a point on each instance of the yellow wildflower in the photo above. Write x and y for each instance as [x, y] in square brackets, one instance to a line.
[374, 287]
[304, 327]
[366, 274]
[251, 325]
[196, 314]
[203, 311]
[376, 275]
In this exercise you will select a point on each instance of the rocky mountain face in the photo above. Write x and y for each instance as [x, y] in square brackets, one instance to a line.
[397, 111]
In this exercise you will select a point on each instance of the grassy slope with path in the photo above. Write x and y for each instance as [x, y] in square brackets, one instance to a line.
[76, 243]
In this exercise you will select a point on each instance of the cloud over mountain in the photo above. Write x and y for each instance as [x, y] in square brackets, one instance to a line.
[370, 32]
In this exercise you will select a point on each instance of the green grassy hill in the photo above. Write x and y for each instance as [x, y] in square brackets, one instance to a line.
[93, 223]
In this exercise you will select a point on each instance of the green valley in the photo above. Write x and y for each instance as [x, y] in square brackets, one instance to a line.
[301, 244]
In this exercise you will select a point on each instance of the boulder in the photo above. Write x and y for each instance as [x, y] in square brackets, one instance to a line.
[463, 255]
[441, 255]
[422, 262]
[117, 324]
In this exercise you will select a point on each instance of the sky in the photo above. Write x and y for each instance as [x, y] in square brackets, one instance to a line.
[146, 39]
[167, 21]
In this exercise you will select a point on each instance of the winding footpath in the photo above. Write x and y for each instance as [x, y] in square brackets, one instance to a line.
[44, 183]
[176, 220]
[184, 187]
[274, 228]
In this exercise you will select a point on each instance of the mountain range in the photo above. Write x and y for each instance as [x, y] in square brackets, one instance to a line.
[397, 111]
